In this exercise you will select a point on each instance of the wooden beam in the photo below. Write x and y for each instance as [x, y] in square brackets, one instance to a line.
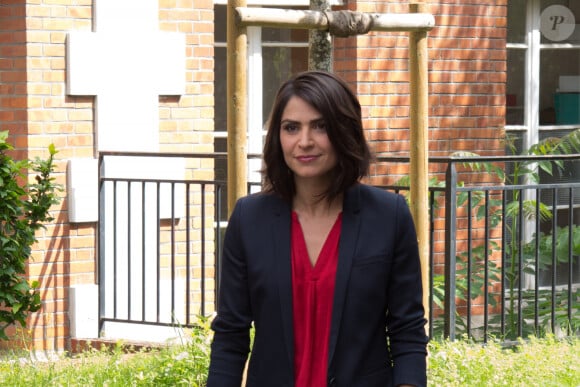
[419, 153]
[308, 19]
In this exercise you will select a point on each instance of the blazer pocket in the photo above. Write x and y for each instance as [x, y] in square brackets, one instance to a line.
[371, 260]
[368, 279]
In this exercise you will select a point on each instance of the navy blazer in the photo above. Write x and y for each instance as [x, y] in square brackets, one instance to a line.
[377, 336]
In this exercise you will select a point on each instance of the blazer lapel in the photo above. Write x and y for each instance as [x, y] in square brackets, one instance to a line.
[284, 273]
[347, 246]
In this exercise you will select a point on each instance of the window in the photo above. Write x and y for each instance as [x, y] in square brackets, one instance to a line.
[543, 96]
[273, 55]
[542, 74]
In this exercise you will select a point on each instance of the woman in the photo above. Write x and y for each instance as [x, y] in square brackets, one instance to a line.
[325, 268]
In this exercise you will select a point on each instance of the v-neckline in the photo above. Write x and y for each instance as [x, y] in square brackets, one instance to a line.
[314, 268]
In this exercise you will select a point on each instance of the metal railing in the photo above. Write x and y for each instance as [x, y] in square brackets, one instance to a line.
[518, 265]
[157, 253]
[502, 264]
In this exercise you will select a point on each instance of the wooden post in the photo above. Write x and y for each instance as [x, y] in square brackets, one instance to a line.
[236, 105]
[419, 147]
[237, 110]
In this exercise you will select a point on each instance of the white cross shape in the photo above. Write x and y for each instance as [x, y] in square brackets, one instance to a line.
[127, 64]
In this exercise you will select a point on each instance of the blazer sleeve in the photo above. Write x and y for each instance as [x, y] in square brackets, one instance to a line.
[231, 326]
[405, 316]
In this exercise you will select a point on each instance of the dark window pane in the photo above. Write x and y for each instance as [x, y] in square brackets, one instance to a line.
[220, 23]
[516, 69]
[279, 63]
[220, 87]
[516, 21]
[555, 66]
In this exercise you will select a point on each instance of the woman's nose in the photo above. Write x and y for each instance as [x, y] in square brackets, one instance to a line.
[305, 137]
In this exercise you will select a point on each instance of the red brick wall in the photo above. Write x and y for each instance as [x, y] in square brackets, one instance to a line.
[13, 74]
[467, 73]
[37, 112]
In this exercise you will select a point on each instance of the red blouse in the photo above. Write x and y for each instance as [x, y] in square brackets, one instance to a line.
[312, 297]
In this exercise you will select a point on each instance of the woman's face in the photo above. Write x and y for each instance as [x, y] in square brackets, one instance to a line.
[307, 149]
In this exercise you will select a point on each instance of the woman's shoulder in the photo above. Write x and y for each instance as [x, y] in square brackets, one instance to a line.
[260, 202]
[260, 198]
[369, 191]
[378, 202]
[375, 200]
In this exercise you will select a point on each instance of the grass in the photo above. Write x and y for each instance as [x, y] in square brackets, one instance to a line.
[538, 362]
[178, 365]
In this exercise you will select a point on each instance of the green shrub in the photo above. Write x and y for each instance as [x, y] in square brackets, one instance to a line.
[23, 209]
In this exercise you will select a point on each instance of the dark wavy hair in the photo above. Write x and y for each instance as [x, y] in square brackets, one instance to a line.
[341, 110]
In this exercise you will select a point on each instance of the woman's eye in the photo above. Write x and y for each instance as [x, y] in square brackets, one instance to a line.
[290, 127]
[321, 125]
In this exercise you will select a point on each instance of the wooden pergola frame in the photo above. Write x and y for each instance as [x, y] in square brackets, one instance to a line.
[416, 22]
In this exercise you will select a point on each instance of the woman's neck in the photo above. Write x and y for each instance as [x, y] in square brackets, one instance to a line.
[310, 202]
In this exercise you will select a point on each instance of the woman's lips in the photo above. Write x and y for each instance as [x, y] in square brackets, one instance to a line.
[306, 159]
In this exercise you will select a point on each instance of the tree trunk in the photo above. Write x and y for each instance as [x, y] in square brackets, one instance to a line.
[319, 42]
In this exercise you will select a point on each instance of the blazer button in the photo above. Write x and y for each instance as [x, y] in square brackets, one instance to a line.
[332, 382]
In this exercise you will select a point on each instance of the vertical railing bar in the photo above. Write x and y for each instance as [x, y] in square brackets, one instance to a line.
[218, 253]
[503, 260]
[202, 188]
[143, 251]
[537, 265]
[173, 258]
[129, 250]
[188, 274]
[115, 249]
[570, 255]
[520, 233]
[158, 252]
[469, 258]
[486, 269]
[450, 249]
[101, 244]
[554, 256]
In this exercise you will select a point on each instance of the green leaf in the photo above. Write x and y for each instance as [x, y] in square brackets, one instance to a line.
[3, 136]
[16, 308]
